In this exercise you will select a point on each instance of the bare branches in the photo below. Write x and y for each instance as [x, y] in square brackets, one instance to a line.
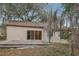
[27, 11]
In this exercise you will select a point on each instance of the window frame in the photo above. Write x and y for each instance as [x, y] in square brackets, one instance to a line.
[37, 35]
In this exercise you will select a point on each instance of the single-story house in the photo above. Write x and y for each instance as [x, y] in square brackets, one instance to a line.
[19, 32]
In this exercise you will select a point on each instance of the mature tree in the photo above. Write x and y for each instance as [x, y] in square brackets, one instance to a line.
[22, 12]
[71, 11]
[52, 22]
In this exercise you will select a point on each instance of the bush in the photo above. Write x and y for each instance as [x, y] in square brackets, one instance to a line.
[2, 37]
[65, 35]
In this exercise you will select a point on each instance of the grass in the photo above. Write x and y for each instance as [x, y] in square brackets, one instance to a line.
[56, 50]
[49, 50]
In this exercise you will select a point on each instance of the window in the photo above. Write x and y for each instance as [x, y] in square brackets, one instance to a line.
[28, 35]
[34, 35]
[40, 35]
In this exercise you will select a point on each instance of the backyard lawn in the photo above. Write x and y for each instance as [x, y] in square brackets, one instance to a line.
[49, 50]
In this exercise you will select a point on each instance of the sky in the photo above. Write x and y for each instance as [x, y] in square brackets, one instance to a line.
[58, 7]
[55, 6]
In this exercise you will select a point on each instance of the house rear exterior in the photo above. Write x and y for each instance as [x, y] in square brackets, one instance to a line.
[26, 33]
[29, 33]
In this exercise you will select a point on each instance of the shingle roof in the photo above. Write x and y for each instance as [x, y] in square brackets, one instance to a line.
[33, 25]
[25, 24]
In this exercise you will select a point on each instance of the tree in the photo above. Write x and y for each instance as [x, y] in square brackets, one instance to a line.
[22, 12]
[72, 13]
[52, 22]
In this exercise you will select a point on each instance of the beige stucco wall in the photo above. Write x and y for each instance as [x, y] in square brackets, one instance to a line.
[56, 38]
[19, 35]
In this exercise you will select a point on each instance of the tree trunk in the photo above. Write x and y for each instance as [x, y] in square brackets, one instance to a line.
[72, 43]
[72, 49]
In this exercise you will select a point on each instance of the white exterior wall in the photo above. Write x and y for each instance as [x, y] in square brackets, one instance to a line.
[56, 38]
[19, 34]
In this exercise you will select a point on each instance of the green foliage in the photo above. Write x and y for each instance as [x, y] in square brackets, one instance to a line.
[68, 6]
[65, 35]
[2, 38]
